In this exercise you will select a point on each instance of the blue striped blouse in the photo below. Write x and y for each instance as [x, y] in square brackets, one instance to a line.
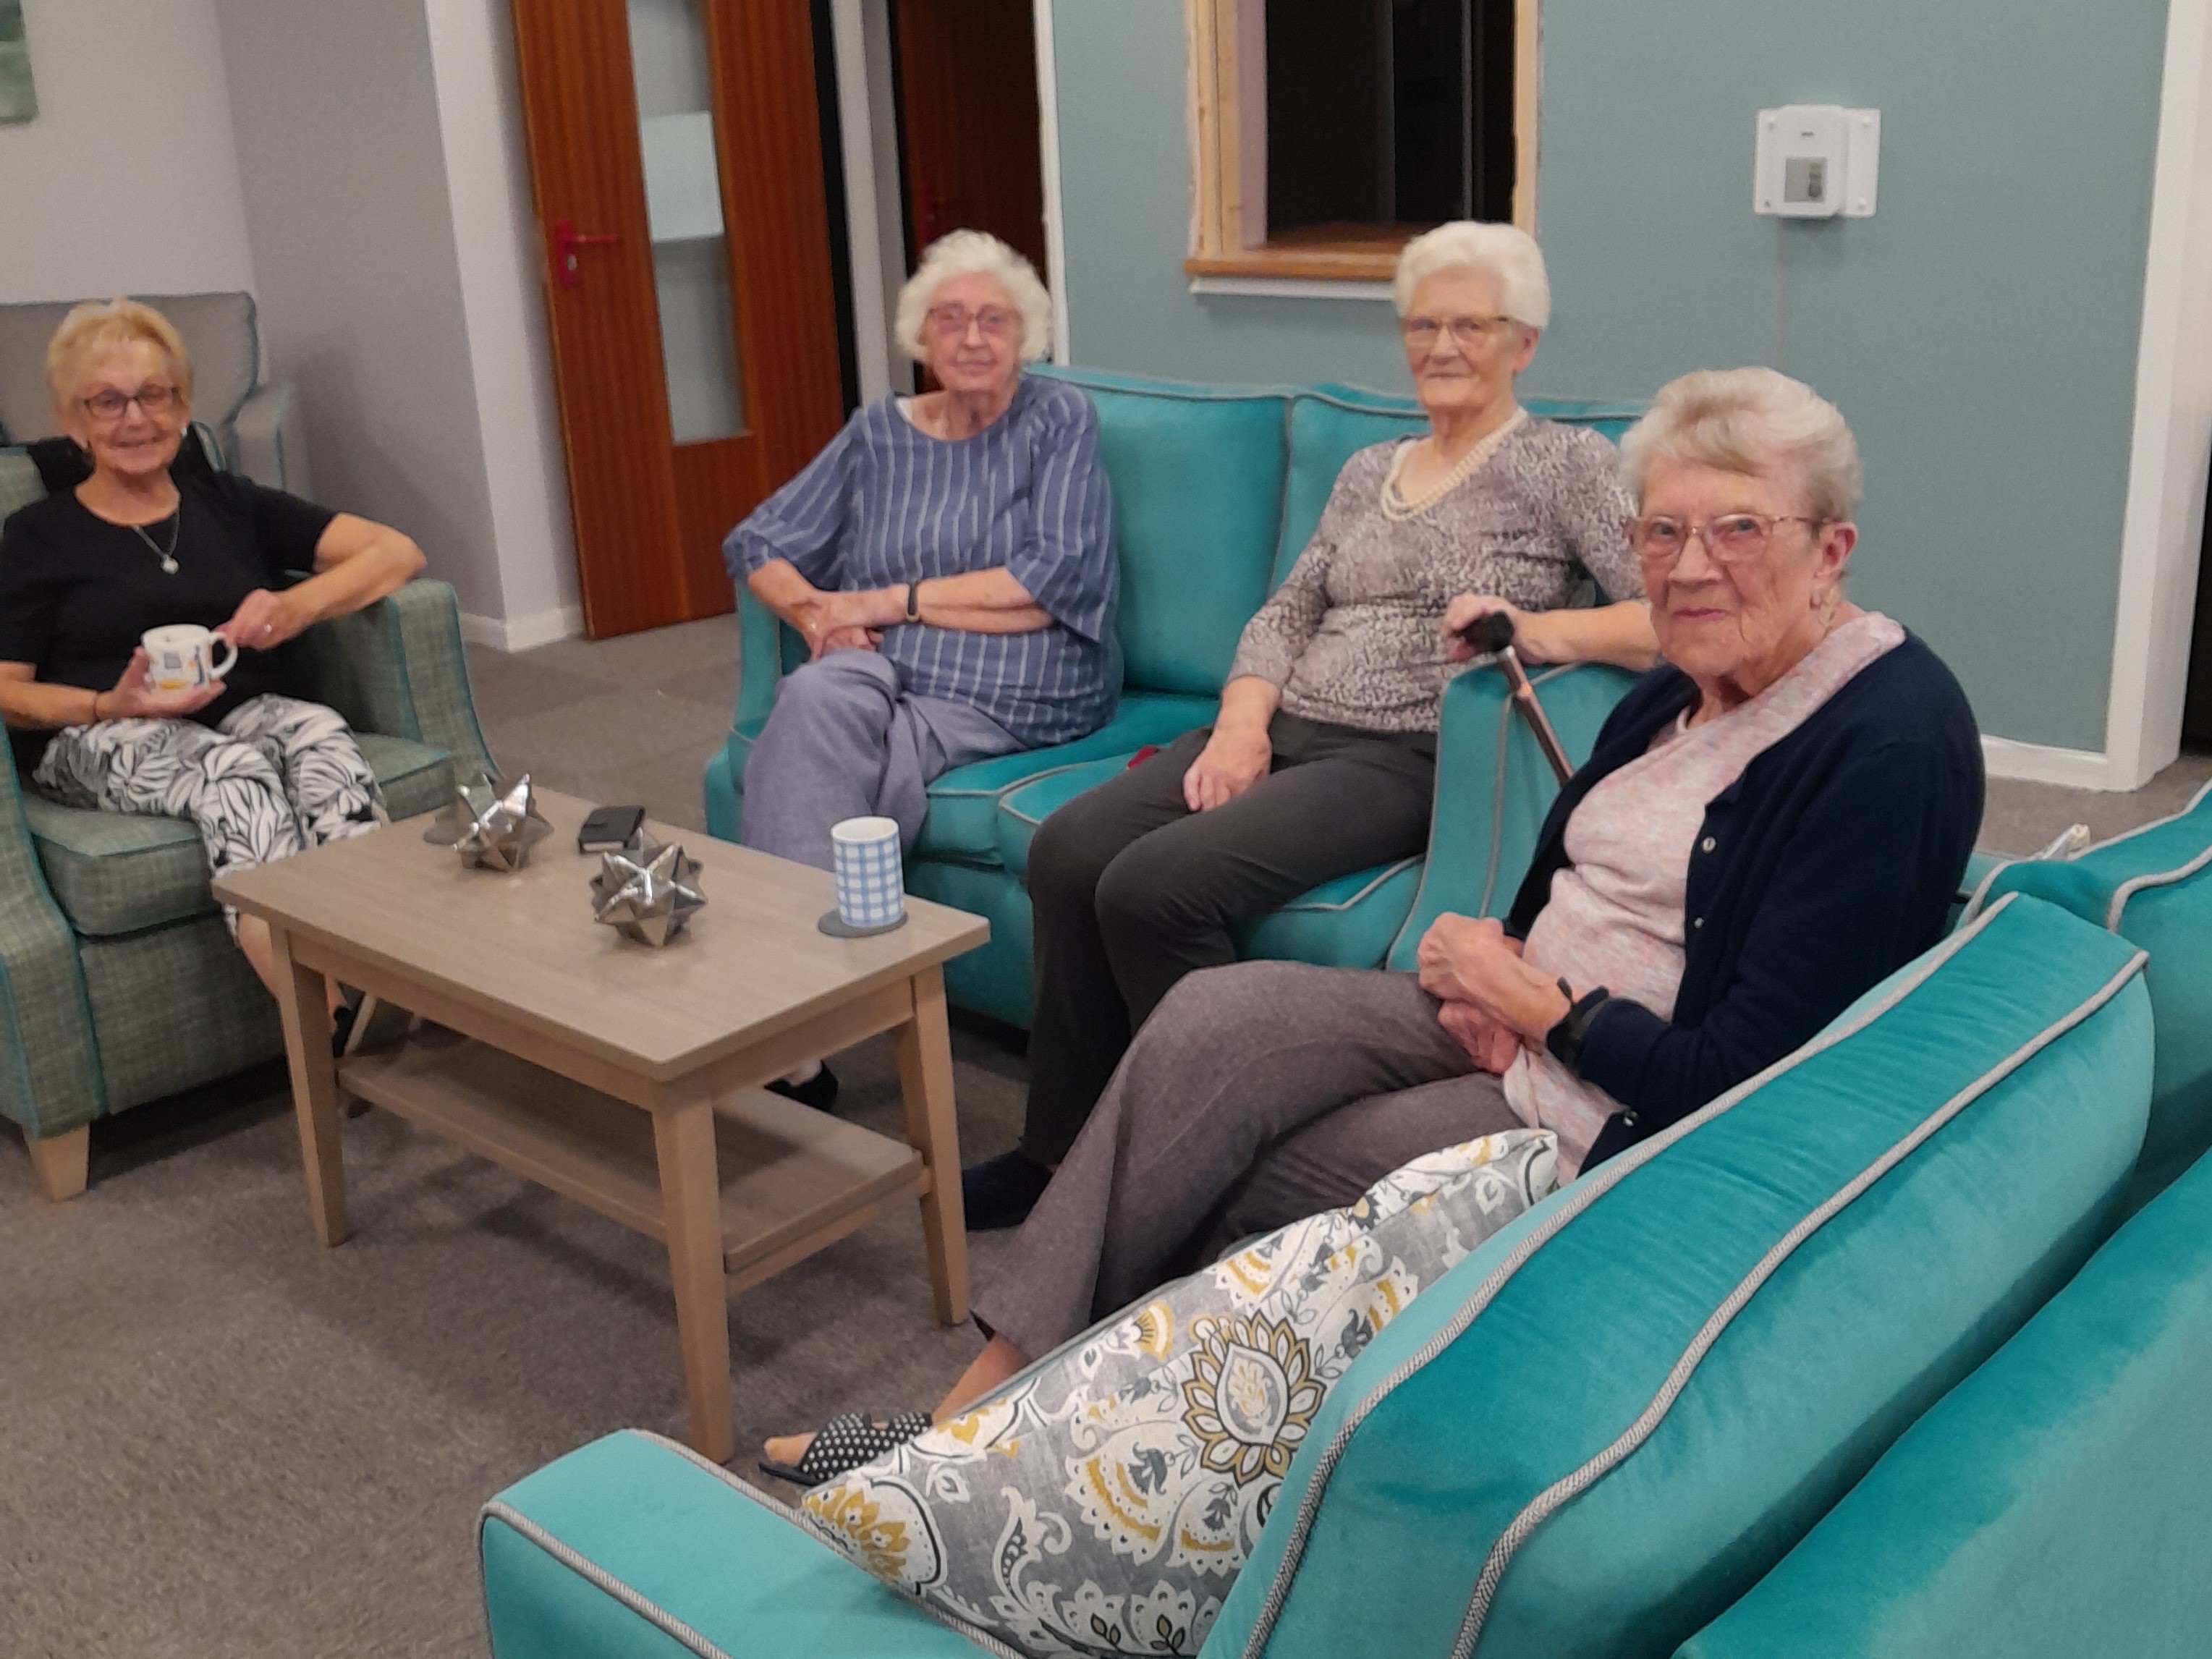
[885, 504]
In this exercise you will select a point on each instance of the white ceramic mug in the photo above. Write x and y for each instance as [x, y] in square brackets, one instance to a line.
[865, 857]
[181, 657]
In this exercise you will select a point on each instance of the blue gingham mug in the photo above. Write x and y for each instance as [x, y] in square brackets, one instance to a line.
[870, 889]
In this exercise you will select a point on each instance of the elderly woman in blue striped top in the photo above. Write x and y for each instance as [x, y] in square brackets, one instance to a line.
[950, 560]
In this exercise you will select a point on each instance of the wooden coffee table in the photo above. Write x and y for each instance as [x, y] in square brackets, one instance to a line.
[623, 1077]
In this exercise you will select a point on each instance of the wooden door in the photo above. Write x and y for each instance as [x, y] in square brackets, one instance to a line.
[688, 292]
[967, 112]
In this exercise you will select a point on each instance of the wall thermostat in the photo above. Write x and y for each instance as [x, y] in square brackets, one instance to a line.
[1816, 161]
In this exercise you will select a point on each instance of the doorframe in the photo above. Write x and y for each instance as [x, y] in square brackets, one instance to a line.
[1055, 228]
[2162, 530]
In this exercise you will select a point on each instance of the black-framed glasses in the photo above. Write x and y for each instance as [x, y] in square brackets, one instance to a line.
[1425, 332]
[155, 398]
[1658, 538]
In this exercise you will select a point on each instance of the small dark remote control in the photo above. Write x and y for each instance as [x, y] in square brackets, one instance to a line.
[609, 829]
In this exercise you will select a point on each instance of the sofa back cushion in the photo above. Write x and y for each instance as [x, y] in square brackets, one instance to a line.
[1618, 1413]
[219, 333]
[2153, 886]
[2050, 1504]
[1198, 494]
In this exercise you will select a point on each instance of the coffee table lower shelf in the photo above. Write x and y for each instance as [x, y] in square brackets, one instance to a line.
[793, 1179]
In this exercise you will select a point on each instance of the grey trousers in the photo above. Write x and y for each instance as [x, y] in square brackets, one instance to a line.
[1255, 1095]
[845, 741]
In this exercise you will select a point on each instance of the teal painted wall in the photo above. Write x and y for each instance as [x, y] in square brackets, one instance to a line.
[1978, 333]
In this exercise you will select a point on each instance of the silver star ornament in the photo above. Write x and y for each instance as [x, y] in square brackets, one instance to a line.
[647, 893]
[495, 826]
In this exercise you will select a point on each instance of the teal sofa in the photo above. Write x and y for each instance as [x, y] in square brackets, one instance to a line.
[2056, 1503]
[118, 983]
[1216, 492]
[1591, 1438]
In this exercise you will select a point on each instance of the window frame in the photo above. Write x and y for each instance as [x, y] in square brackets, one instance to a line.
[1225, 56]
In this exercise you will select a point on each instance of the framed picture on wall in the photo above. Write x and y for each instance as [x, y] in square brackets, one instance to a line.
[19, 98]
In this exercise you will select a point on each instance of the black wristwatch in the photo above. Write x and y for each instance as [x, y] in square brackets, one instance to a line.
[1564, 1040]
[913, 602]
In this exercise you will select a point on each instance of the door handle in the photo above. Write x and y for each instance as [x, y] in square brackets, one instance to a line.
[567, 239]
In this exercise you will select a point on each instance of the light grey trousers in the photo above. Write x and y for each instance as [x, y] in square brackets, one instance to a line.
[1255, 1095]
[846, 741]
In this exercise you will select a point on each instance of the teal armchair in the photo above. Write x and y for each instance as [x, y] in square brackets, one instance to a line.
[1216, 492]
[118, 983]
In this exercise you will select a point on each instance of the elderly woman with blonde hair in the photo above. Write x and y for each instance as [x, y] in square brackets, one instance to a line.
[1322, 759]
[949, 559]
[1773, 820]
[260, 770]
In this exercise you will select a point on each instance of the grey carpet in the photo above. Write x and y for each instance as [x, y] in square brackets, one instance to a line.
[219, 1441]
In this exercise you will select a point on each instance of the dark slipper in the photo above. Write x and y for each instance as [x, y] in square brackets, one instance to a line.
[846, 1442]
[1001, 1191]
[819, 1091]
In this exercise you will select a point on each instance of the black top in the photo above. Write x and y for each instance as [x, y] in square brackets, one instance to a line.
[1834, 861]
[77, 592]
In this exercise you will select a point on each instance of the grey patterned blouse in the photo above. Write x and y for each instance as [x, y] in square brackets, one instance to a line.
[1349, 638]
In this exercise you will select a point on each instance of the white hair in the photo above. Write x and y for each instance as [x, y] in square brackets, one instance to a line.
[971, 253]
[1506, 254]
[1749, 421]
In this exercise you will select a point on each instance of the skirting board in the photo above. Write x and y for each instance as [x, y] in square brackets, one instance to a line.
[523, 632]
[2035, 762]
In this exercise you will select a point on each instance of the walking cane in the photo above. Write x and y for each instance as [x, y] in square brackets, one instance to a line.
[1493, 635]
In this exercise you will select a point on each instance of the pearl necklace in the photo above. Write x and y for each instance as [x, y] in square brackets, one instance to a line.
[1397, 510]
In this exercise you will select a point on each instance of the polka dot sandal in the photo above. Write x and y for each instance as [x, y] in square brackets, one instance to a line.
[846, 1442]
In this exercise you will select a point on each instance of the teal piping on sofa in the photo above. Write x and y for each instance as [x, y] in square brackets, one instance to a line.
[1217, 490]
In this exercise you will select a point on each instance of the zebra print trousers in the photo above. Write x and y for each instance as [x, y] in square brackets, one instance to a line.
[275, 777]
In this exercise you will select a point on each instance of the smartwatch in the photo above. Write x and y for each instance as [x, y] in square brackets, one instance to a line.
[913, 602]
[1564, 1040]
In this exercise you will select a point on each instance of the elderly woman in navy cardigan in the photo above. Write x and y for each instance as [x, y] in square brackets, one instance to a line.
[949, 559]
[1771, 821]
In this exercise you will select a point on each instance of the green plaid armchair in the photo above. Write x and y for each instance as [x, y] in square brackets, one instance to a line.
[118, 983]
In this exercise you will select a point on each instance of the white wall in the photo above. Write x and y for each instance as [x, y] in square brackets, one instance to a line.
[343, 177]
[127, 182]
[496, 232]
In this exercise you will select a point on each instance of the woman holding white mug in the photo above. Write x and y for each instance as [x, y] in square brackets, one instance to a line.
[195, 561]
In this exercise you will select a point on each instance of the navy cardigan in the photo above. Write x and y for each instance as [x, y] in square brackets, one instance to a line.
[1832, 861]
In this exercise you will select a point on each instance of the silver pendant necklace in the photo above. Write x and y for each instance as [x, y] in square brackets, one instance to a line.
[167, 555]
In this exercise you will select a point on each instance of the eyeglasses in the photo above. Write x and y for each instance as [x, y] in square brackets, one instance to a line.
[951, 322]
[1425, 332]
[1730, 538]
[154, 398]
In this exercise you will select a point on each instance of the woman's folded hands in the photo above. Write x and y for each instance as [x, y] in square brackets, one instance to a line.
[1493, 1002]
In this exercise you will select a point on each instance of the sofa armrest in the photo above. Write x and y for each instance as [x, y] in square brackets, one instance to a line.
[633, 1544]
[50, 1080]
[1494, 787]
[760, 659]
[266, 443]
[398, 668]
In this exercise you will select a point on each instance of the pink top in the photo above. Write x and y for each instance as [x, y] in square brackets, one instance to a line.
[1614, 917]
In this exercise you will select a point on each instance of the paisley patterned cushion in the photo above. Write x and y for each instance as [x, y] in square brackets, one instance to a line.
[1103, 1502]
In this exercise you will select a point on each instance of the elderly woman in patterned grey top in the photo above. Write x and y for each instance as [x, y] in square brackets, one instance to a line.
[1322, 759]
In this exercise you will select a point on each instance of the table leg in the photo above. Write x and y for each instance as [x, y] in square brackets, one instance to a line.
[304, 1001]
[925, 1063]
[691, 1213]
